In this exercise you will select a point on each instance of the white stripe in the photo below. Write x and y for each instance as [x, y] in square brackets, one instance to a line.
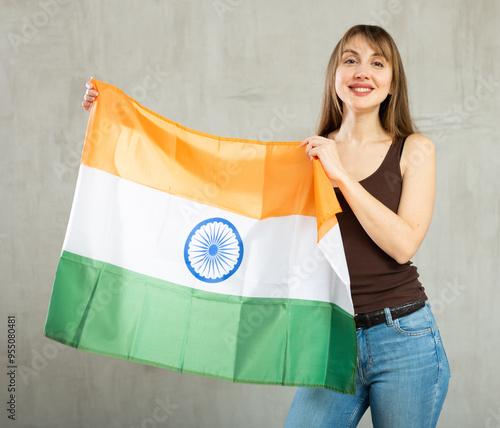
[144, 230]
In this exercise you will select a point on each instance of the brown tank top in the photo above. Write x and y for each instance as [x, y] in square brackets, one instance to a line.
[377, 280]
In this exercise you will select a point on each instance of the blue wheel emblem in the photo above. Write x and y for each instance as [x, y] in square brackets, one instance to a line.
[213, 250]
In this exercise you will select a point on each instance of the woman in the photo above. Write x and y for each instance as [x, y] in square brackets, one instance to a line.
[384, 177]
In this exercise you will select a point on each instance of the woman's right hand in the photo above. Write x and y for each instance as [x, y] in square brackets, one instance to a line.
[89, 97]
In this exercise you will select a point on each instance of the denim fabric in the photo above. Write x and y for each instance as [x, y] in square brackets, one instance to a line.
[402, 375]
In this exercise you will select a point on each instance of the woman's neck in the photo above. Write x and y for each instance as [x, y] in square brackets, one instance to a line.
[360, 128]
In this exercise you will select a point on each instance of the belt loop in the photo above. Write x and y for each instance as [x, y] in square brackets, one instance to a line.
[388, 316]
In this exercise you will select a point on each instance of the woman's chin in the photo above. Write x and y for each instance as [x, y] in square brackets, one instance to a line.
[362, 106]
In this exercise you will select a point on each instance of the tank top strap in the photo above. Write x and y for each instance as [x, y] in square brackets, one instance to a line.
[396, 149]
[402, 145]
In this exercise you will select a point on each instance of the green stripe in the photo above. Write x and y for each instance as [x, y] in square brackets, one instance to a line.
[102, 308]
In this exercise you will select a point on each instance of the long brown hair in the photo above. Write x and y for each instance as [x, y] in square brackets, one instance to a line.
[394, 111]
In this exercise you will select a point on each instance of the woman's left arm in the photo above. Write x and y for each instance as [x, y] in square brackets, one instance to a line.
[398, 234]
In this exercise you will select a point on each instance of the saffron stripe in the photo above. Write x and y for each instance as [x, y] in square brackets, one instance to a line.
[254, 178]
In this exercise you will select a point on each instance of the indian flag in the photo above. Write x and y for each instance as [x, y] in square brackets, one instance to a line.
[207, 255]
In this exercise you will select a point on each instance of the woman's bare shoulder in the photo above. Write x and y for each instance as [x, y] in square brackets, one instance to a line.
[419, 142]
[418, 151]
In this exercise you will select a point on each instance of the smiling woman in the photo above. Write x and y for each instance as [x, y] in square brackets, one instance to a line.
[366, 142]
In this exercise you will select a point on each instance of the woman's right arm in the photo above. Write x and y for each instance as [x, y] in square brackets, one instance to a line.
[89, 97]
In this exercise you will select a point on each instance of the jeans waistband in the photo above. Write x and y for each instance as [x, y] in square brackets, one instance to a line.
[378, 317]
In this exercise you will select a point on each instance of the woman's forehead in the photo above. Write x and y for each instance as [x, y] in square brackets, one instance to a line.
[362, 45]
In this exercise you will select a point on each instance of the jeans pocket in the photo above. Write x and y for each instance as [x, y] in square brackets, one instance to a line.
[419, 323]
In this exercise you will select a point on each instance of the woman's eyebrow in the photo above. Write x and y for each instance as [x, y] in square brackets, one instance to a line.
[356, 53]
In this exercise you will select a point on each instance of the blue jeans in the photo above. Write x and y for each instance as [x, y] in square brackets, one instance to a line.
[402, 375]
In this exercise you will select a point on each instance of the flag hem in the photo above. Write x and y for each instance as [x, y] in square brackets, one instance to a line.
[185, 128]
[179, 370]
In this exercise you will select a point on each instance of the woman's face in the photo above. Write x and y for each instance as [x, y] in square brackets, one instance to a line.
[363, 77]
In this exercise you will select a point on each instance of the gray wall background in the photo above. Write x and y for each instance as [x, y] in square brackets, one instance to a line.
[236, 68]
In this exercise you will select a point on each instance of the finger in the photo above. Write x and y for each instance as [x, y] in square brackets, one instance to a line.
[89, 85]
[89, 98]
[314, 143]
[308, 141]
[92, 93]
[311, 157]
[315, 152]
[309, 154]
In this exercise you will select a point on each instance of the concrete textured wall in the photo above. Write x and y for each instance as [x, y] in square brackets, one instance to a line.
[236, 68]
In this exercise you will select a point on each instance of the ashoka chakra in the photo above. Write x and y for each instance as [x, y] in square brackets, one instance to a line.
[213, 250]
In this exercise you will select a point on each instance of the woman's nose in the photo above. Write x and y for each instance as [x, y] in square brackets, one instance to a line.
[361, 72]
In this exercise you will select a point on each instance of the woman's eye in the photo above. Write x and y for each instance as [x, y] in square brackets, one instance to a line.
[378, 64]
[349, 61]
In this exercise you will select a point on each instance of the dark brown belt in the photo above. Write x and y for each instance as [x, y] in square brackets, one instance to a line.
[378, 317]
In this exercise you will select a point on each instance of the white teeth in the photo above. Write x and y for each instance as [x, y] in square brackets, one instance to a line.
[361, 89]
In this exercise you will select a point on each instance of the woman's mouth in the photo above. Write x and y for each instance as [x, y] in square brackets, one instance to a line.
[360, 90]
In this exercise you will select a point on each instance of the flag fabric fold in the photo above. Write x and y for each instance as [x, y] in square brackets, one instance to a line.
[202, 254]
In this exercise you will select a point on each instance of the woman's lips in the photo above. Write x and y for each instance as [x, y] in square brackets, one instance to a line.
[360, 91]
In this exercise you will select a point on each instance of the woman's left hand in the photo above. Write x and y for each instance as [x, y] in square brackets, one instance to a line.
[326, 151]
